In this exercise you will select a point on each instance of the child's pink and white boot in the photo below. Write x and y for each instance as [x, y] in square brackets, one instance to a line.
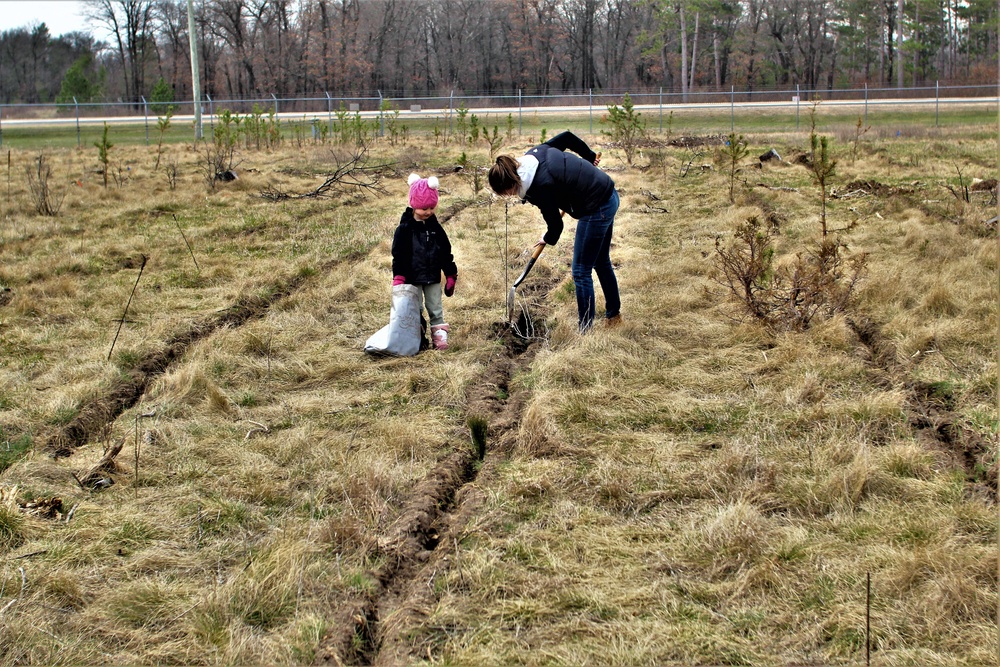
[439, 336]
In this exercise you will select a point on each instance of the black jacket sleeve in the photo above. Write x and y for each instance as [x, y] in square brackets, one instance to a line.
[565, 182]
[448, 265]
[569, 141]
[402, 249]
[553, 224]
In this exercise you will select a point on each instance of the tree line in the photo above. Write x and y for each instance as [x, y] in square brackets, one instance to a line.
[252, 49]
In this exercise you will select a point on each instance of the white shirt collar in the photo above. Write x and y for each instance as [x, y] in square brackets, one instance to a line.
[527, 165]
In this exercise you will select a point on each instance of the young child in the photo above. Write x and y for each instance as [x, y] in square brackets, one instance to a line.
[421, 251]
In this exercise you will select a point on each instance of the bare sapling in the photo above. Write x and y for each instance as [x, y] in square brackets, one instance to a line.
[687, 162]
[120, 174]
[171, 170]
[104, 146]
[39, 173]
[735, 150]
[962, 192]
[218, 161]
[859, 130]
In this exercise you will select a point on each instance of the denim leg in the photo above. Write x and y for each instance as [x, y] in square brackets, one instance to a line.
[592, 252]
[434, 303]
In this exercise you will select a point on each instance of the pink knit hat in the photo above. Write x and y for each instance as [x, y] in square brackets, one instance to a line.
[423, 191]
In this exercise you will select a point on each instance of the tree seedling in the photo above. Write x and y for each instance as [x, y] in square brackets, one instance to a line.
[735, 150]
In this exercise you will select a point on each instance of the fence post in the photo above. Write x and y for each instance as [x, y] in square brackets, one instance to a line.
[937, 101]
[798, 100]
[866, 103]
[381, 116]
[145, 114]
[77, 105]
[590, 103]
[275, 105]
[329, 114]
[519, 124]
[661, 109]
[451, 105]
[732, 108]
[1, 126]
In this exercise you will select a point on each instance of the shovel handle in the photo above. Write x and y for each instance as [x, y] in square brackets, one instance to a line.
[531, 263]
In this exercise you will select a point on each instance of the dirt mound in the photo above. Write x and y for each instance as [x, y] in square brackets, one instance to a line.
[692, 142]
[873, 187]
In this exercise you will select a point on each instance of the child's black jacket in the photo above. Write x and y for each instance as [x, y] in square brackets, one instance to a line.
[421, 250]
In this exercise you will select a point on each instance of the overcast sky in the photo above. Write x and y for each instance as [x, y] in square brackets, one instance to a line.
[61, 16]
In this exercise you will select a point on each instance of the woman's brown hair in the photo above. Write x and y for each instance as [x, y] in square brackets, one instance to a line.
[503, 175]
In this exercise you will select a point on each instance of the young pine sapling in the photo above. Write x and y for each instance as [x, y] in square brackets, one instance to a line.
[103, 147]
[735, 150]
[162, 124]
[822, 167]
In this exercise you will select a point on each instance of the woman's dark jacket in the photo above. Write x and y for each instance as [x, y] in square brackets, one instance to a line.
[421, 250]
[564, 182]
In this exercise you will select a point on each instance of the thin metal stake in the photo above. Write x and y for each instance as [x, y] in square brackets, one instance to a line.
[187, 243]
[868, 621]
[125, 313]
[506, 249]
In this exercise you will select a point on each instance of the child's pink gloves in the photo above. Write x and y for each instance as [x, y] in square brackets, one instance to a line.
[449, 285]
[398, 280]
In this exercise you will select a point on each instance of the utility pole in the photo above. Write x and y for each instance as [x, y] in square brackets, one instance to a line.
[195, 77]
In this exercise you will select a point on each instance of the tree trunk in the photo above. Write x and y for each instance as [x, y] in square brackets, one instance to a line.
[715, 56]
[899, 44]
[684, 55]
[694, 50]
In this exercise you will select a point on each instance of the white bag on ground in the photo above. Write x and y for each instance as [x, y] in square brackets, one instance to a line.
[401, 337]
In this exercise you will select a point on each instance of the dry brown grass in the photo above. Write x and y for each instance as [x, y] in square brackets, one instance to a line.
[690, 488]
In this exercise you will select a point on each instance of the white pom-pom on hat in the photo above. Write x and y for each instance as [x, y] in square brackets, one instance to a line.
[423, 191]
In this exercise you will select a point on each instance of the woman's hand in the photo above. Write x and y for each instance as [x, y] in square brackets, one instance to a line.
[597, 159]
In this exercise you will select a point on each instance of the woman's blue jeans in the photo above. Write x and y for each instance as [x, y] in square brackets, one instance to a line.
[592, 253]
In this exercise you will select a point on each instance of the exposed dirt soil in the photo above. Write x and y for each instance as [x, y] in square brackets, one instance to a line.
[873, 187]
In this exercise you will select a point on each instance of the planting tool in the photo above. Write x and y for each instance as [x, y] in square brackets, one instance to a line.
[524, 274]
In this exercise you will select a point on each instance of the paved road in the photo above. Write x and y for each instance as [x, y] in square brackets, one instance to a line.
[730, 107]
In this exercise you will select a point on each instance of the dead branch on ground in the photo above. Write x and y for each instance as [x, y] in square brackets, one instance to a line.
[94, 478]
[354, 173]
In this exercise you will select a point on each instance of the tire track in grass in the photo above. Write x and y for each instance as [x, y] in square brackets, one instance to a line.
[94, 415]
[930, 414]
[422, 543]
[102, 410]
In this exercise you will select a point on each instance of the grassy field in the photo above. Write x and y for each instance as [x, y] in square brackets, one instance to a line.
[201, 466]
